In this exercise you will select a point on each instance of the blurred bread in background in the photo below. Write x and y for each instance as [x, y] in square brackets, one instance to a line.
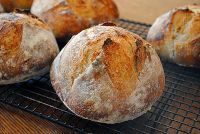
[176, 36]
[10, 5]
[27, 47]
[69, 17]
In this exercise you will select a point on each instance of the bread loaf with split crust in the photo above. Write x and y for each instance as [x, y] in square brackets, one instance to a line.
[176, 36]
[27, 47]
[69, 17]
[108, 74]
[10, 5]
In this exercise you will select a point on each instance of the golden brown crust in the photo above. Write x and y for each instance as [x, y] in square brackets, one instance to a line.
[68, 17]
[119, 68]
[176, 36]
[10, 5]
[107, 74]
[27, 47]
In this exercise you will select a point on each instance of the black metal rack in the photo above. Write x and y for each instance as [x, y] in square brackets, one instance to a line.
[177, 111]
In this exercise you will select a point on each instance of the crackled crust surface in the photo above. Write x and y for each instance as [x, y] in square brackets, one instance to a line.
[68, 17]
[176, 36]
[107, 74]
[27, 47]
[10, 5]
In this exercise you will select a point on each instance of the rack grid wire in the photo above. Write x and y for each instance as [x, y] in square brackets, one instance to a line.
[176, 112]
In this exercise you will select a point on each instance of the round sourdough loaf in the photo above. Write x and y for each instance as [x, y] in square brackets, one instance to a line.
[10, 5]
[176, 36]
[69, 17]
[27, 47]
[108, 74]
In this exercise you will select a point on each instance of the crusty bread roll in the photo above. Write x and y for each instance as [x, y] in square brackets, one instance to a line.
[107, 74]
[10, 5]
[68, 17]
[176, 36]
[27, 47]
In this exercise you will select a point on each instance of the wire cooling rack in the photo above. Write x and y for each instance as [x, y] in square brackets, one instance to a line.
[176, 112]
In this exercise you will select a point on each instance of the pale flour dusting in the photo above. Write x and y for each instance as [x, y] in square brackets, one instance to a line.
[194, 9]
[25, 68]
[11, 62]
[33, 39]
[91, 89]
[27, 54]
[144, 84]
[90, 33]
[37, 45]
[41, 6]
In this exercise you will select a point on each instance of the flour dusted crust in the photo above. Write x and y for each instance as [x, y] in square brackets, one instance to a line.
[10, 5]
[69, 17]
[27, 47]
[176, 36]
[107, 74]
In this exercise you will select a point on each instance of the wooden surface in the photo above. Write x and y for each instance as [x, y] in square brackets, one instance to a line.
[16, 121]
